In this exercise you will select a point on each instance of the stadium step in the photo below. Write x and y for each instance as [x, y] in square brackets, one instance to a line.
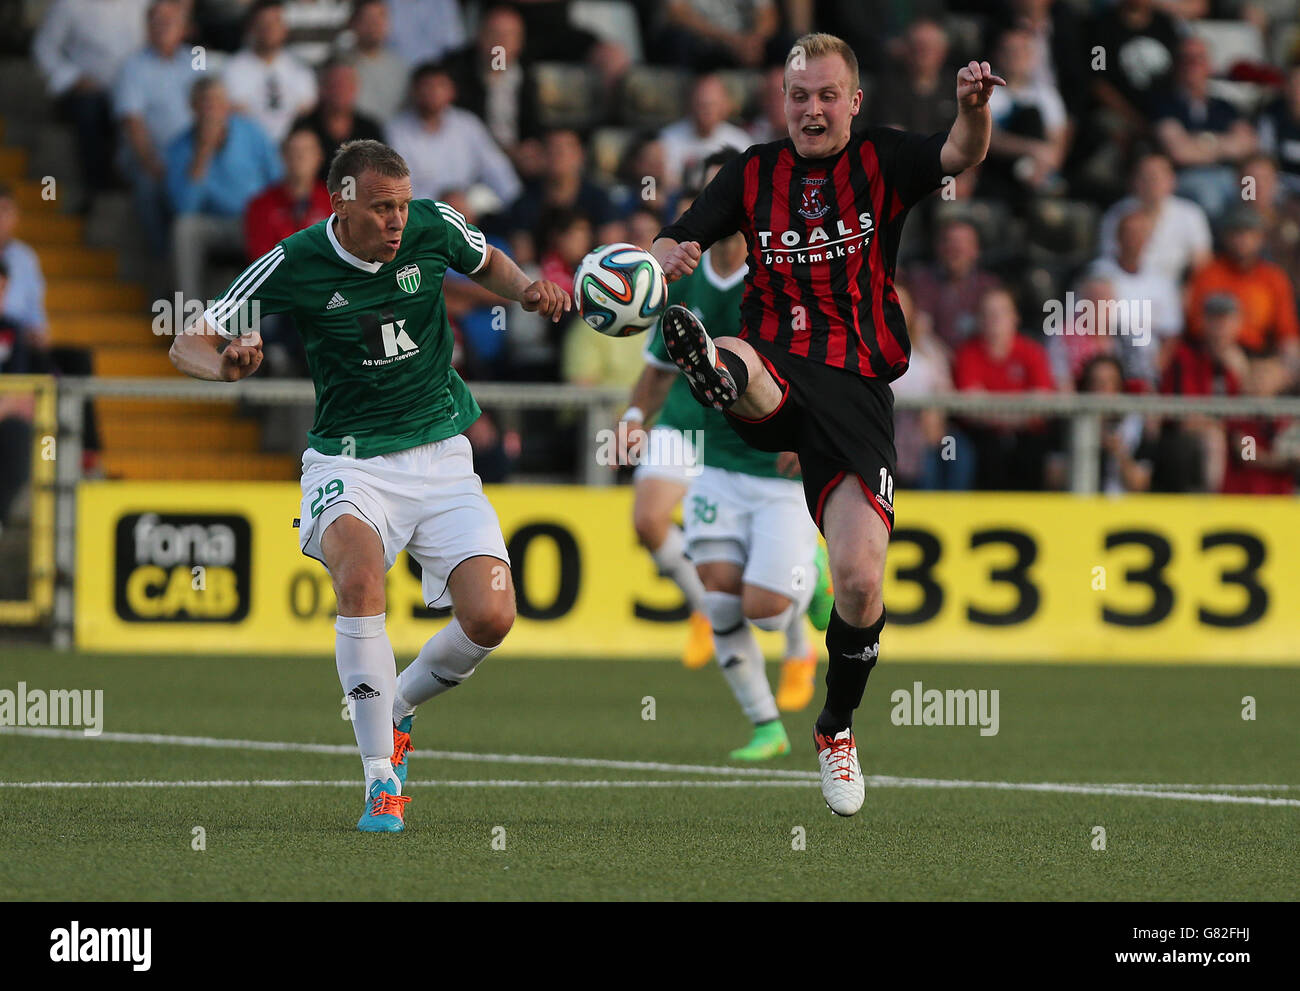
[172, 411]
[133, 362]
[103, 329]
[200, 466]
[91, 295]
[162, 438]
[13, 165]
[66, 261]
[50, 229]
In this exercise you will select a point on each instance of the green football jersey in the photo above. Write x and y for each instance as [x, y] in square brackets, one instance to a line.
[716, 301]
[375, 333]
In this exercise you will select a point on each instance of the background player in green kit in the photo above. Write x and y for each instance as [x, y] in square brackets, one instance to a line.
[747, 531]
[388, 467]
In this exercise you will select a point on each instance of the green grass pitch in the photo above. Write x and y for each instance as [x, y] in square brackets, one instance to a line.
[944, 819]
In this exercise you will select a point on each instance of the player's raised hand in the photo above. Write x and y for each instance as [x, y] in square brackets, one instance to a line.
[975, 84]
[242, 357]
[680, 260]
[546, 298]
[630, 443]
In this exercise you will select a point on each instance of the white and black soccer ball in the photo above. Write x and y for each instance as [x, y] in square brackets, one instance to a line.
[620, 290]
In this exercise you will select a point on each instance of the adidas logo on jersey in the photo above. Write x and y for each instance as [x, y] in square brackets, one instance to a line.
[336, 301]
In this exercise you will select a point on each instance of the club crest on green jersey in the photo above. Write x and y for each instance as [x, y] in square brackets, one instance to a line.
[408, 278]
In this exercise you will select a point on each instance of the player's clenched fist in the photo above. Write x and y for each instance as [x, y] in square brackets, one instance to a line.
[679, 260]
[242, 357]
[546, 298]
[975, 84]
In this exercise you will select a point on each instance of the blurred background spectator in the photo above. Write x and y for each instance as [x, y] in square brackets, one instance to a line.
[264, 81]
[705, 129]
[336, 118]
[383, 76]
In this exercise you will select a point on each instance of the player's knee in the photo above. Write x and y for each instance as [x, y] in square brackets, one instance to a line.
[488, 622]
[766, 609]
[858, 597]
[360, 591]
[753, 364]
[651, 528]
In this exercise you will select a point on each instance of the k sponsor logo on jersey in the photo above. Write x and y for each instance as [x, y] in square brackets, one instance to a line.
[408, 278]
[386, 339]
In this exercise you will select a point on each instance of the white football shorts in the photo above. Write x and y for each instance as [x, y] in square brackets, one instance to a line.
[760, 524]
[426, 500]
[670, 455]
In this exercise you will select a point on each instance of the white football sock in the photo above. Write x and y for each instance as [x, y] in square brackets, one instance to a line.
[796, 626]
[368, 673]
[670, 559]
[739, 656]
[444, 662]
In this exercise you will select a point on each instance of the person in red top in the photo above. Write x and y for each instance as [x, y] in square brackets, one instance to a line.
[1268, 308]
[822, 332]
[298, 200]
[1212, 365]
[1010, 450]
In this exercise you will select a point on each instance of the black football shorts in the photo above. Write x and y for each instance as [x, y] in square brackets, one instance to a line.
[838, 422]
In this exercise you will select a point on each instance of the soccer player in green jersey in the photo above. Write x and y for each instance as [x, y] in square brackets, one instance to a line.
[388, 467]
[747, 531]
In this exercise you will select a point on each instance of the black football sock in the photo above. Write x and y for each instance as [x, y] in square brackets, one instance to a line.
[853, 651]
[739, 370]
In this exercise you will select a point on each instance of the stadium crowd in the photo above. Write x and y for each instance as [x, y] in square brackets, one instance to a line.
[1135, 228]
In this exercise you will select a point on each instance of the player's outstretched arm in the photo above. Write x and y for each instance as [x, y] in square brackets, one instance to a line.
[502, 276]
[196, 351]
[968, 141]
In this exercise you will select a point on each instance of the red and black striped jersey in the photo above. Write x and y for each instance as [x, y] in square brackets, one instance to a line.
[823, 238]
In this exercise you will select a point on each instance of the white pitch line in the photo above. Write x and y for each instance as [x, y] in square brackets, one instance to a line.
[452, 755]
[755, 776]
[874, 781]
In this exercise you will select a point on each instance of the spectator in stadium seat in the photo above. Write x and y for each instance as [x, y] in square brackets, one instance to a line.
[642, 177]
[15, 411]
[769, 123]
[1262, 454]
[494, 81]
[426, 30]
[1180, 238]
[336, 118]
[1128, 452]
[703, 34]
[1268, 321]
[80, 48]
[23, 301]
[1061, 60]
[563, 185]
[1079, 340]
[1136, 285]
[383, 75]
[1279, 130]
[263, 80]
[1030, 129]
[1139, 42]
[1193, 447]
[932, 453]
[152, 103]
[1280, 211]
[950, 290]
[1203, 135]
[214, 168]
[298, 200]
[915, 92]
[446, 146]
[1010, 450]
[688, 142]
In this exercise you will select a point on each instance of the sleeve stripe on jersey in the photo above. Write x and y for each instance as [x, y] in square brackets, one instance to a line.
[247, 284]
[474, 239]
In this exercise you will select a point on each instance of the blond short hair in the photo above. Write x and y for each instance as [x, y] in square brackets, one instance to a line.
[819, 44]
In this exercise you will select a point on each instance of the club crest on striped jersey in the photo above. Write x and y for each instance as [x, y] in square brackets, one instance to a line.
[408, 278]
[813, 205]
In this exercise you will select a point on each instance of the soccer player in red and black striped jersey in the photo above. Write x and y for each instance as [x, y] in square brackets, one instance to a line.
[823, 333]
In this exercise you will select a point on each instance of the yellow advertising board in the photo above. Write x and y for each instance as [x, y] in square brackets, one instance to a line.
[202, 567]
